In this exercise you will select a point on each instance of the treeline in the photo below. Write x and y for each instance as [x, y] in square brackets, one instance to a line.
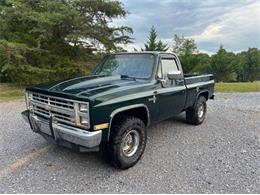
[226, 66]
[50, 40]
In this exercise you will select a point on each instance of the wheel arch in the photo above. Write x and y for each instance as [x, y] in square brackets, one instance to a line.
[140, 111]
[204, 93]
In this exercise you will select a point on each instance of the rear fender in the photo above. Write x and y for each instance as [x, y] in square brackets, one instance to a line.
[204, 93]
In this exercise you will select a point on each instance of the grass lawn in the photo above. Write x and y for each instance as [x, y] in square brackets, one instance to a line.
[11, 92]
[238, 87]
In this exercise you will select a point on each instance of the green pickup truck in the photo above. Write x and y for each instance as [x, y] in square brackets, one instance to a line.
[112, 108]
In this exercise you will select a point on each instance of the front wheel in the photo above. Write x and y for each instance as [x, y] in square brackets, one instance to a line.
[127, 142]
[197, 113]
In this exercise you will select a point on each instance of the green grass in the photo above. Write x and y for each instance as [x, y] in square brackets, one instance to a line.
[238, 87]
[11, 92]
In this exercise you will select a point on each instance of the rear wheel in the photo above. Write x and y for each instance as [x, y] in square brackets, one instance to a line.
[127, 142]
[197, 113]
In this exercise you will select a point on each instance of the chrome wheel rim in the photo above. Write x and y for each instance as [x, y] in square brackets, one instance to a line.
[201, 110]
[131, 143]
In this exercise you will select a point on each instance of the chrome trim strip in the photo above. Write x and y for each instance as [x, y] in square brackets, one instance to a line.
[198, 84]
[53, 108]
[76, 111]
[118, 110]
[128, 108]
[199, 76]
[70, 100]
[56, 117]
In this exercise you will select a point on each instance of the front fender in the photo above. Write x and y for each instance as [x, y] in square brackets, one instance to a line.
[106, 116]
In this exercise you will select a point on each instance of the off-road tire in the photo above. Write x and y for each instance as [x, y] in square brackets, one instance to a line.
[193, 115]
[114, 151]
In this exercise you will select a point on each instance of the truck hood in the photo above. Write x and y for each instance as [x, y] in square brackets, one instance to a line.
[91, 86]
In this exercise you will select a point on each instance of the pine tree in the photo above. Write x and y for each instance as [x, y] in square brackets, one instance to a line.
[162, 47]
[56, 35]
[223, 65]
[152, 44]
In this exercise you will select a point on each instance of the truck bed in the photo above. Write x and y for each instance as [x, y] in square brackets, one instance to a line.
[198, 83]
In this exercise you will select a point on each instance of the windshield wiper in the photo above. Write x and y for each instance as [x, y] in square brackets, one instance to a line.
[124, 76]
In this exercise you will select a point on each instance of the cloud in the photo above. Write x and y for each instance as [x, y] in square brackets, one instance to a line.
[210, 22]
[237, 29]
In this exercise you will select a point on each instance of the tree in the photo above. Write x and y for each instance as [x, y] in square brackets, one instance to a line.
[226, 66]
[161, 46]
[184, 46]
[186, 50]
[152, 44]
[250, 65]
[223, 65]
[53, 32]
[202, 63]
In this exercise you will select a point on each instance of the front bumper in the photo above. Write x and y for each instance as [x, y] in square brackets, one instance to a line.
[64, 135]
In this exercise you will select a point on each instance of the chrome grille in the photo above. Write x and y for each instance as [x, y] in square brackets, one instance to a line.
[54, 101]
[62, 110]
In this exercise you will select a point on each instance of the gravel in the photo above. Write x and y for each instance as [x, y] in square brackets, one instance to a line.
[220, 156]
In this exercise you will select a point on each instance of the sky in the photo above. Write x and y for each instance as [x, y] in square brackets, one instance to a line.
[232, 23]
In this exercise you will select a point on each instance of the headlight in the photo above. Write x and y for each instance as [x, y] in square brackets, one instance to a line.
[84, 121]
[82, 114]
[83, 107]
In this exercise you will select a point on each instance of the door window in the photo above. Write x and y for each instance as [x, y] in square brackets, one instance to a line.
[168, 65]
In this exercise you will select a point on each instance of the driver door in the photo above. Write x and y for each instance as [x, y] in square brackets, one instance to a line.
[171, 95]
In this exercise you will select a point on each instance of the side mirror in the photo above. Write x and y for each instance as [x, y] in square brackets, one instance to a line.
[175, 75]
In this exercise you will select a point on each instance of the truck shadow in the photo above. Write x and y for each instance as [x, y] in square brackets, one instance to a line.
[81, 162]
[171, 124]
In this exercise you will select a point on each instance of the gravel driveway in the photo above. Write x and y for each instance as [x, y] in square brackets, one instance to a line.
[220, 156]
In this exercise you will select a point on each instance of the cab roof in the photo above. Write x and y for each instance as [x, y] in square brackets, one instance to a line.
[146, 52]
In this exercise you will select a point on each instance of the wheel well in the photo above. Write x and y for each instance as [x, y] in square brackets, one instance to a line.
[140, 112]
[205, 94]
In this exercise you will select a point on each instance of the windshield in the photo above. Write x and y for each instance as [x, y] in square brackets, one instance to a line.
[131, 65]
